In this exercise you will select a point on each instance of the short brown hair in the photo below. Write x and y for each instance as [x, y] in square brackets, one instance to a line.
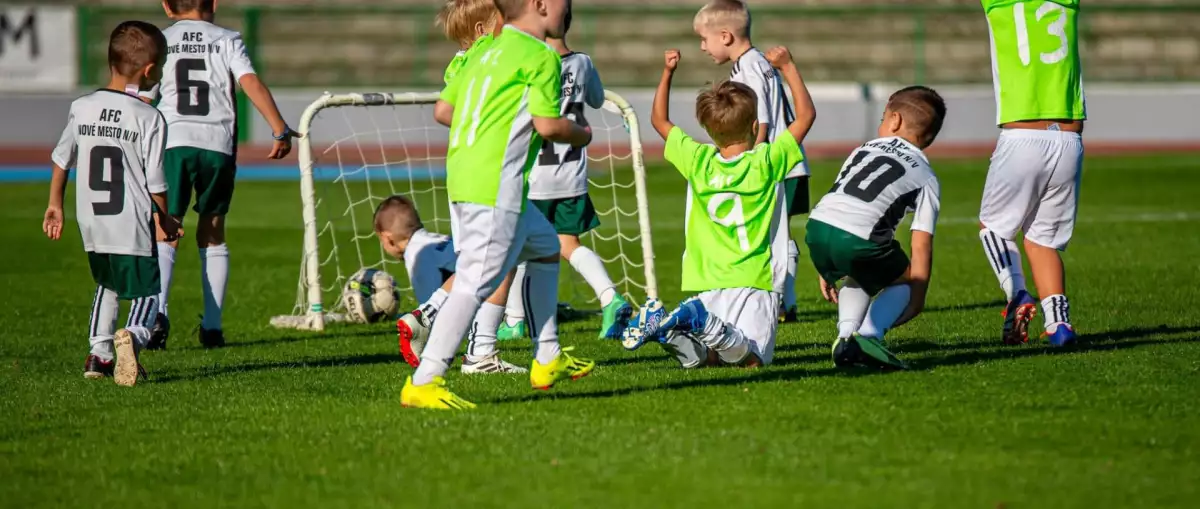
[922, 109]
[397, 214]
[457, 19]
[184, 6]
[133, 45]
[510, 9]
[732, 15]
[728, 111]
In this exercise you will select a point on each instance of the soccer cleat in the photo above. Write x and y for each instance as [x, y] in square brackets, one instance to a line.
[1063, 335]
[412, 332]
[616, 318]
[433, 395]
[860, 350]
[787, 315]
[212, 338]
[490, 364]
[126, 370]
[159, 334]
[647, 318]
[563, 367]
[95, 368]
[691, 316]
[508, 332]
[1020, 310]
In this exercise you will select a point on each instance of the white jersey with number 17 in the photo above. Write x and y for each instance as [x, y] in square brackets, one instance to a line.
[114, 141]
[561, 170]
[197, 93]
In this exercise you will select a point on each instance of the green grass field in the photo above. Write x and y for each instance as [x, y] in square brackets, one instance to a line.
[285, 419]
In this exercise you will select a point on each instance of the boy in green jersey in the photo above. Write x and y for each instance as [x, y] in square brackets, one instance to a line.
[499, 108]
[471, 24]
[731, 219]
[1033, 182]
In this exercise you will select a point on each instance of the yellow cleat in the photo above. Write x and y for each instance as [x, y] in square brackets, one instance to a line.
[544, 376]
[432, 395]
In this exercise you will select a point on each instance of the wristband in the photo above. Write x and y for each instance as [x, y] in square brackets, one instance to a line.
[286, 131]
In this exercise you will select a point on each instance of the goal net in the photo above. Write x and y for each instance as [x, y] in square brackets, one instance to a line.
[359, 149]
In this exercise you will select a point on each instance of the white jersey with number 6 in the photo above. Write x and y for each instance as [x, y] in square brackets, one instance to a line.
[115, 143]
[197, 93]
[560, 170]
[880, 183]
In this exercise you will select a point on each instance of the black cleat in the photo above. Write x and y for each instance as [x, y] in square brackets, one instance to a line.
[94, 368]
[158, 336]
[788, 315]
[212, 338]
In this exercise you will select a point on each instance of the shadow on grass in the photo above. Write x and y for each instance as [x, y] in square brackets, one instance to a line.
[813, 315]
[388, 334]
[334, 362]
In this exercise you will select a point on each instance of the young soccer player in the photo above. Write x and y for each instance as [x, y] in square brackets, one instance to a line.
[733, 197]
[1033, 182]
[429, 259]
[466, 22]
[851, 231]
[115, 142]
[558, 186]
[197, 97]
[724, 30]
[499, 108]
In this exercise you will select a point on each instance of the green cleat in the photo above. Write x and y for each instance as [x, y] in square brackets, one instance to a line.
[511, 332]
[864, 351]
[616, 318]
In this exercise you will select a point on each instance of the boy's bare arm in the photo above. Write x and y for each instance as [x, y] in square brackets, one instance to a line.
[660, 115]
[52, 222]
[919, 272]
[171, 227]
[262, 99]
[806, 113]
[762, 134]
[562, 130]
[443, 112]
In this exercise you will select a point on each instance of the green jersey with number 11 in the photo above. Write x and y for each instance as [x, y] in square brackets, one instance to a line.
[1035, 59]
[731, 215]
[495, 97]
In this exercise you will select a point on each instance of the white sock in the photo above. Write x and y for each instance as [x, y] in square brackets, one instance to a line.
[214, 275]
[143, 312]
[852, 308]
[446, 335]
[482, 342]
[103, 324]
[541, 309]
[514, 308]
[431, 307]
[1005, 260]
[728, 341]
[885, 310]
[166, 268]
[589, 265]
[789, 282]
[1055, 311]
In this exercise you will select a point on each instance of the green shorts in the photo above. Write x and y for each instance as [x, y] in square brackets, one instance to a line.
[796, 194]
[838, 254]
[570, 216]
[132, 277]
[210, 173]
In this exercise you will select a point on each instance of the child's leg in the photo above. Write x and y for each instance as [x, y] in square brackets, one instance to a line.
[853, 302]
[690, 352]
[541, 251]
[105, 307]
[589, 265]
[1005, 260]
[214, 268]
[166, 269]
[1050, 278]
[789, 287]
[482, 341]
[1017, 176]
[514, 307]
[887, 307]
[429, 308]
[143, 312]
[1051, 227]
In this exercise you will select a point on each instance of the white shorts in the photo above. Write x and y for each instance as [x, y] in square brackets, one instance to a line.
[1033, 186]
[755, 312]
[491, 241]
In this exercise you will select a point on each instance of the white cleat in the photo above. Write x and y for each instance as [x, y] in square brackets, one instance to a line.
[489, 365]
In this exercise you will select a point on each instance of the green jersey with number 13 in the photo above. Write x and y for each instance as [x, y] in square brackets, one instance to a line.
[1035, 59]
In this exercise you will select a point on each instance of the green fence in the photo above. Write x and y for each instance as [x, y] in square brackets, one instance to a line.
[396, 46]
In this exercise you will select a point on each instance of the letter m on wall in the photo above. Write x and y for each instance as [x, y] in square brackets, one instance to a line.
[14, 28]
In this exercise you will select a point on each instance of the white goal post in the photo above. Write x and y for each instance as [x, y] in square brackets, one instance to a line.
[347, 169]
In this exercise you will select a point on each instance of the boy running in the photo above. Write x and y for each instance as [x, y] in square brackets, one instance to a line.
[851, 231]
[1033, 182]
[732, 218]
[198, 99]
[115, 142]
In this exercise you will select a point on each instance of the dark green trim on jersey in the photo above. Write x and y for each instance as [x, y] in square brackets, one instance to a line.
[837, 254]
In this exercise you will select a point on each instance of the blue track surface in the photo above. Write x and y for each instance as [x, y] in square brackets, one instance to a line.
[16, 174]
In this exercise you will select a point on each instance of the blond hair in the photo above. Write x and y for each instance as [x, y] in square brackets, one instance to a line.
[457, 19]
[728, 111]
[731, 15]
[397, 215]
[922, 110]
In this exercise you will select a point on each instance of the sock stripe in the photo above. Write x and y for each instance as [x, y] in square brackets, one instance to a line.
[993, 256]
[1002, 249]
[135, 312]
[525, 303]
[96, 303]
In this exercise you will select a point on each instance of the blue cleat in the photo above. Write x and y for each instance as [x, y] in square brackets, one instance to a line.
[644, 326]
[688, 317]
[1021, 309]
[1063, 335]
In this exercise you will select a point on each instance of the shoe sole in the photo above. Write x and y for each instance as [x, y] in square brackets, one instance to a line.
[573, 378]
[93, 375]
[405, 334]
[1016, 330]
[125, 372]
[844, 353]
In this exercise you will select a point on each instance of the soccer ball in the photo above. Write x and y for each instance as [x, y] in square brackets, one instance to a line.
[370, 295]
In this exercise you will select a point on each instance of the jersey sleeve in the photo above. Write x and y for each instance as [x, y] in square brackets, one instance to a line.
[783, 154]
[65, 150]
[425, 277]
[925, 213]
[155, 144]
[593, 87]
[239, 58]
[450, 91]
[685, 153]
[454, 66]
[545, 86]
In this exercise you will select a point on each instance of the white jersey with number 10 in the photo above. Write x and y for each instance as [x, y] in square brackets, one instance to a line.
[560, 170]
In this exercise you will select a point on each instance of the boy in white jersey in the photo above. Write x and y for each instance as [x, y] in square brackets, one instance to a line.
[851, 231]
[430, 258]
[197, 97]
[724, 30]
[731, 220]
[115, 142]
[558, 186]
[1033, 181]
